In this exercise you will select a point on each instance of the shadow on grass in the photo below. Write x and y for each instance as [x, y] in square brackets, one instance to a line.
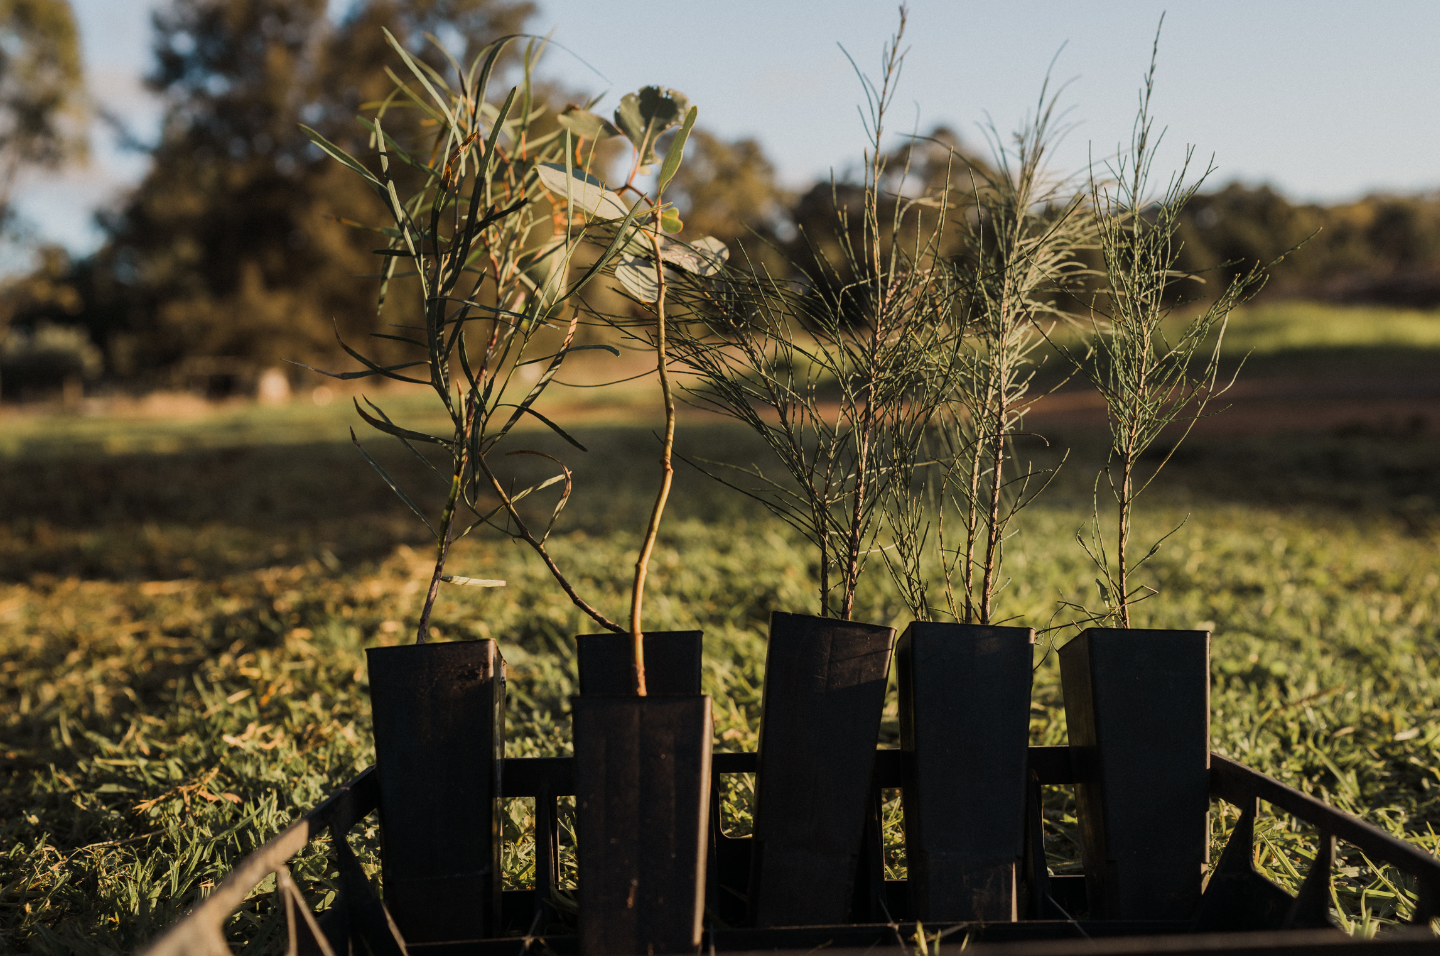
[208, 512]
[213, 511]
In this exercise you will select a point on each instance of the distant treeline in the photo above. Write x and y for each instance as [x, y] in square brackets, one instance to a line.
[1380, 249]
[238, 250]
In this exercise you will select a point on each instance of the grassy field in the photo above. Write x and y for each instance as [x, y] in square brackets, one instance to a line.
[184, 604]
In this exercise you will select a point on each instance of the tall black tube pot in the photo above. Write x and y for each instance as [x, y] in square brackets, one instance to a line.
[965, 722]
[439, 740]
[820, 722]
[642, 772]
[1137, 703]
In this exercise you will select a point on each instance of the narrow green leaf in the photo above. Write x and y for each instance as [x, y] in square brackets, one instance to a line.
[414, 68]
[399, 338]
[574, 348]
[471, 582]
[495, 130]
[388, 373]
[553, 427]
[390, 428]
[676, 153]
[391, 481]
[339, 154]
[351, 376]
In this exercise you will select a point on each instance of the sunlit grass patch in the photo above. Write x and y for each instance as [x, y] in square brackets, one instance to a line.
[141, 696]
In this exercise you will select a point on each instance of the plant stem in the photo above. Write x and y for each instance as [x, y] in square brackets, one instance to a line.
[997, 460]
[540, 549]
[972, 518]
[852, 546]
[442, 546]
[447, 522]
[1124, 537]
[992, 529]
[667, 473]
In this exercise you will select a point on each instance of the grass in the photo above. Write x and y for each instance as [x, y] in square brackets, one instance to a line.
[184, 606]
[1288, 326]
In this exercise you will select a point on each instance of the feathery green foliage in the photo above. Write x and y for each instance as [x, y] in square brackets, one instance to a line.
[837, 365]
[1150, 383]
[1016, 276]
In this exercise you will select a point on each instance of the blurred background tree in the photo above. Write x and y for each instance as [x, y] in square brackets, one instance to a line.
[42, 102]
[228, 256]
[1379, 249]
[42, 112]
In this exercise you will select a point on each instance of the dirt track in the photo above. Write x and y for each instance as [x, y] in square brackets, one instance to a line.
[1281, 405]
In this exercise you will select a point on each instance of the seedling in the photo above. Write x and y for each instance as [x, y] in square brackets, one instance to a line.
[1014, 279]
[643, 266]
[484, 255]
[834, 365]
[1149, 382]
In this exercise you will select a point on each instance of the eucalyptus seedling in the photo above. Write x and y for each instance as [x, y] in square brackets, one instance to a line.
[643, 266]
[481, 255]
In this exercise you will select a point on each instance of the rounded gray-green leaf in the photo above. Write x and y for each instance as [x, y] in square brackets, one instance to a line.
[643, 116]
[586, 124]
[638, 277]
[586, 192]
[703, 257]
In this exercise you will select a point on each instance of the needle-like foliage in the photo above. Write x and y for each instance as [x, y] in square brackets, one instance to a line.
[1022, 236]
[1150, 382]
[834, 364]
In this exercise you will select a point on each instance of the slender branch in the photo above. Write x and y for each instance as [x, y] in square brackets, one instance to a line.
[540, 549]
[447, 522]
[667, 471]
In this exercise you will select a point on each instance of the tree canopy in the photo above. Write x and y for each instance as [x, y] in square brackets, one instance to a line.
[234, 252]
[41, 90]
[234, 246]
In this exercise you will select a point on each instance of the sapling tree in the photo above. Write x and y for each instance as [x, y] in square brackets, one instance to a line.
[1156, 372]
[831, 365]
[643, 266]
[1022, 235]
[488, 225]
[487, 254]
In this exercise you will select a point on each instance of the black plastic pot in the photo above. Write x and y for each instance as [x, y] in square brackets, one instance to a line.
[439, 741]
[1137, 703]
[642, 772]
[820, 721]
[965, 720]
[672, 663]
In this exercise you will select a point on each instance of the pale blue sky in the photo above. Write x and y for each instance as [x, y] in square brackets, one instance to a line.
[1326, 100]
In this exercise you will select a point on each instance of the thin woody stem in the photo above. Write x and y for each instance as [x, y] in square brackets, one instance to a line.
[667, 473]
[442, 547]
[1124, 538]
[539, 547]
[447, 524]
